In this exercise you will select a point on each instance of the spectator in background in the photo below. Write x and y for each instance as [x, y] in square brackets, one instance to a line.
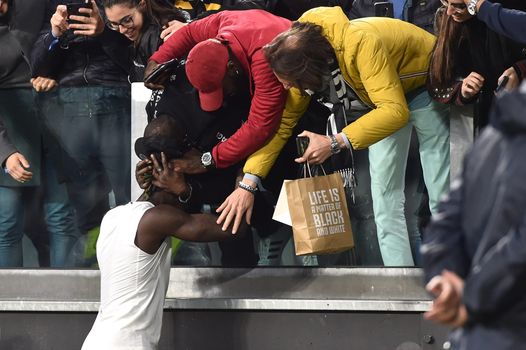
[144, 23]
[228, 44]
[26, 157]
[470, 60]
[474, 250]
[383, 68]
[91, 64]
[420, 13]
[507, 22]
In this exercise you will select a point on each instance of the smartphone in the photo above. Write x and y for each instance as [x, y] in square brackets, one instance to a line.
[162, 69]
[502, 84]
[73, 10]
[302, 142]
[383, 9]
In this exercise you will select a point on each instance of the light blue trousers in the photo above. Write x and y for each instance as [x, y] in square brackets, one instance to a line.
[387, 165]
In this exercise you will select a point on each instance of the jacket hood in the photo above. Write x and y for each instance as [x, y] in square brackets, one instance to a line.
[508, 112]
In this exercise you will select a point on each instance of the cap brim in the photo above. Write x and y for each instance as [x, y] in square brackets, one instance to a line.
[211, 101]
[140, 149]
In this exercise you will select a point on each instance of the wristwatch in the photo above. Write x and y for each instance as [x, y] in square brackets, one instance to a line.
[335, 146]
[207, 161]
[472, 7]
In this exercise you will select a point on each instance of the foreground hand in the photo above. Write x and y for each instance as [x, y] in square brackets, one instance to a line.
[165, 177]
[471, 85]
[239, 204]
[447, 308]
[318, 151]
[90, 26]
[42, 84]
[16, 165]
[172, 27]
[190, 163]
[143, 173]
[513, 79]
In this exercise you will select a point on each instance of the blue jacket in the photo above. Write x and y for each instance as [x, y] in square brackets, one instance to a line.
[508, 22]
[480, 232]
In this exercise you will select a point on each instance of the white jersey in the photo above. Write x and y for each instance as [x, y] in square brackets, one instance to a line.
[133, 284]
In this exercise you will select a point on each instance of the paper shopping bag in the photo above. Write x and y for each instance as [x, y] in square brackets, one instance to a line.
[319, 213]
[281, 211]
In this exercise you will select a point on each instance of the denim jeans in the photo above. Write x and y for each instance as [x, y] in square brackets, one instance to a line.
[387, 161]
[96, 135]
[59, 217]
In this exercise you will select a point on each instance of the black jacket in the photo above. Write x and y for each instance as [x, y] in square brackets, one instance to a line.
[18, 31]
[480, 232]
[149, 42]
[418, 12]
[103, 60]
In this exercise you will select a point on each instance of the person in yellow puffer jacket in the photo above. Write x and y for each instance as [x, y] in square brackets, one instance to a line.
[382, 65]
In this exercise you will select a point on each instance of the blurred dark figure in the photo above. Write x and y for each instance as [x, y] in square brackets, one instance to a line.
[474, 250]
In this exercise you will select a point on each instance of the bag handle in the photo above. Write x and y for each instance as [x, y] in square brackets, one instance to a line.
[306, 167]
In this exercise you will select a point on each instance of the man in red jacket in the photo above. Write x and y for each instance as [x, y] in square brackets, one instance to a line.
[222, 49]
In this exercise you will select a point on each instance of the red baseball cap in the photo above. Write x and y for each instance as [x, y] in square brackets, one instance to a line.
[206, 68]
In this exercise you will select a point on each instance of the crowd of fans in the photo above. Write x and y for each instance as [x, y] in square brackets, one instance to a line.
[67, 157]
[246, 78]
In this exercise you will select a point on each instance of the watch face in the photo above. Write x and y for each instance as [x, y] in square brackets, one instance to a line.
[471, 8]
[335, 147]
[206, 159]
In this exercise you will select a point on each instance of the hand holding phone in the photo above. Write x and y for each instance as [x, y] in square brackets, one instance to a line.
[155, 77]
[74, 10]
[502, 84]
[302, 142]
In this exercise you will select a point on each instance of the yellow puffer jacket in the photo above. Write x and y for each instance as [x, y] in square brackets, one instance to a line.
[185, 5]
[380, 58]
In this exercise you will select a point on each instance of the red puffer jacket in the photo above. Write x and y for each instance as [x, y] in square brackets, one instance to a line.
[247, 32]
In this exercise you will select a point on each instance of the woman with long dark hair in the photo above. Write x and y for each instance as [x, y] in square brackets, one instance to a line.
[470, 60]
[143, 21]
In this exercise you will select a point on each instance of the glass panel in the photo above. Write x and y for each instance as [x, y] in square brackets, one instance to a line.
[79, 139]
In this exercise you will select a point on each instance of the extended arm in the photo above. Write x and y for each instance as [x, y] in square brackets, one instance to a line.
[263, 119]
[182, 41]
[508, 22]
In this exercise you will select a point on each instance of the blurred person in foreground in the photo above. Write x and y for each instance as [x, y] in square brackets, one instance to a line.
[134, 250]
[474, 250]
